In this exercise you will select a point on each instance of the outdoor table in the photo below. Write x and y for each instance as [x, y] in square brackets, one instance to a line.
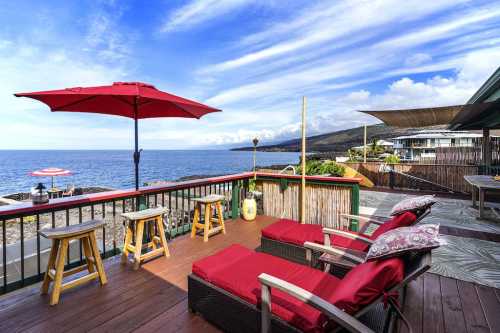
[54, 193]
[481, 184]
[136, 221]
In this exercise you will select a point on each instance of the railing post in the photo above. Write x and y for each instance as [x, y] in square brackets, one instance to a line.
[235, 201]
[355, 206]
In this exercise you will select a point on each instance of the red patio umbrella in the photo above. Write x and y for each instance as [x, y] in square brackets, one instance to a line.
[51, 172]
[134, 100]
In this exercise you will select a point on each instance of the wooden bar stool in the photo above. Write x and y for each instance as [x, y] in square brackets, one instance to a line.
[60, 242]
[207, 226]
[136, 221]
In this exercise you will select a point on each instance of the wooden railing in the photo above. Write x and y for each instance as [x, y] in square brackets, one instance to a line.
[24, 253]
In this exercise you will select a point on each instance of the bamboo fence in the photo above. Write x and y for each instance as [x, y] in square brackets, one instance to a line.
[324, 203]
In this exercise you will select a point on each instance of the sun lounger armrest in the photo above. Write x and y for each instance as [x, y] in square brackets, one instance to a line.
[333, 251]
[347, 234]
[345, 320]
[361, 218]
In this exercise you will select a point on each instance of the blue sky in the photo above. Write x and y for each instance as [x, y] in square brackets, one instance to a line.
[253, 59]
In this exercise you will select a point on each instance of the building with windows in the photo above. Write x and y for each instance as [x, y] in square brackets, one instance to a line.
[423, 144]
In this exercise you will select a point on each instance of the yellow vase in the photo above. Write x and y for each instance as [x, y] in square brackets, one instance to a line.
[249, 209]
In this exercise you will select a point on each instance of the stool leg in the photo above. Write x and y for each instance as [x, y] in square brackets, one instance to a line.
[88, 253]
[56, 290]
[50, 265]
[206, 227]
[152, 233]
[97, 259]
[196, 220]
[163, 240]
[139, 227]
[220, 217]
[126, 243]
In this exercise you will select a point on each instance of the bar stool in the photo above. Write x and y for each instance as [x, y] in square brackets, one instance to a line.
[136, 221]
[207, 226]
[55, 267]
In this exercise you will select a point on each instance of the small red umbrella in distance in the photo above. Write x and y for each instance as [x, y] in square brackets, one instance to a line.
[134, 100]
[51, 172]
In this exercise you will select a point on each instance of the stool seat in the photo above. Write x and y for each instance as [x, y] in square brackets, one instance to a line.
[211, 198]
[72, 230]
[55, 272]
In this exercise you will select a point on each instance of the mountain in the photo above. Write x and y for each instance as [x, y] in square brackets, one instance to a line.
[340, 141]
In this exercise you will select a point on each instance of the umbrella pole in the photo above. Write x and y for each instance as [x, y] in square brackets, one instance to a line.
[136, 152]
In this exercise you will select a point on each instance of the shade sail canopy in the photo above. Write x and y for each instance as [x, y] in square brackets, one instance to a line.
[119, 99]
[468, 116]
[478, 116]
[51, 172]
[413, 118]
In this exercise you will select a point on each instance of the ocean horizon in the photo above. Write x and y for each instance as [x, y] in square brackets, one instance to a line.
[115, 168]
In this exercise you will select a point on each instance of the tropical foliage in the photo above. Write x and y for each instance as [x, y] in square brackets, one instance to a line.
[392, 159]
[323, 168]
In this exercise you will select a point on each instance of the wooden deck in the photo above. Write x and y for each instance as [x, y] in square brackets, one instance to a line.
[154, 298]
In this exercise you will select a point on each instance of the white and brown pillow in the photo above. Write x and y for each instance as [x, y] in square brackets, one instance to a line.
[406, 239]
[413, 204]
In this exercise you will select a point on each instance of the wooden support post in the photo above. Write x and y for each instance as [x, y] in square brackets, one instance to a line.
[303, 178]
[486, 149]
[355, 206]
[364, 146]
[235, 201]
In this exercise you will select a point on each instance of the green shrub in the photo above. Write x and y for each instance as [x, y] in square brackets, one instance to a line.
[392, 159]
[322, 168]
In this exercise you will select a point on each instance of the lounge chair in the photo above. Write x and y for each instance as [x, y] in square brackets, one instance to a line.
[286, 238]
[69, 191]
[230, 288]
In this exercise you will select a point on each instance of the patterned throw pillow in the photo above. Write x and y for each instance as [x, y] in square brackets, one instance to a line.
[406, 239]
[413, 204]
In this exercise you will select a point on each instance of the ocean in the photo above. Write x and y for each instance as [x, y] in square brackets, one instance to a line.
[115, 168]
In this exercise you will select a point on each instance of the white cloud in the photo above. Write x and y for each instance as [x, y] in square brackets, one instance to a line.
[198, 11]
[329, 22]
[417, 59]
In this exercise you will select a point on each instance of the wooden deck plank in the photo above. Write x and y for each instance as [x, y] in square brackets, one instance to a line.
[491, 306]
[433, 306]
[131, 299]
[413, 307]
[454, 321]
[154, 298]
[473, 313]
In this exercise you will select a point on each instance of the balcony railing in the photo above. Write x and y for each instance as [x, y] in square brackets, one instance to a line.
[24, 253]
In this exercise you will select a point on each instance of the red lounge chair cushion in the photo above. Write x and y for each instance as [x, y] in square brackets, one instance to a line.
[358, 288]
[241, 279]
[365, 282]
[302, 233]
[348, 243]
[404, 220]
[277, 229]
[208, 267]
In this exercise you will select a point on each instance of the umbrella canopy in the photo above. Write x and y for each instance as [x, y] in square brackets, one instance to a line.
[134, 100]
[51, 172]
